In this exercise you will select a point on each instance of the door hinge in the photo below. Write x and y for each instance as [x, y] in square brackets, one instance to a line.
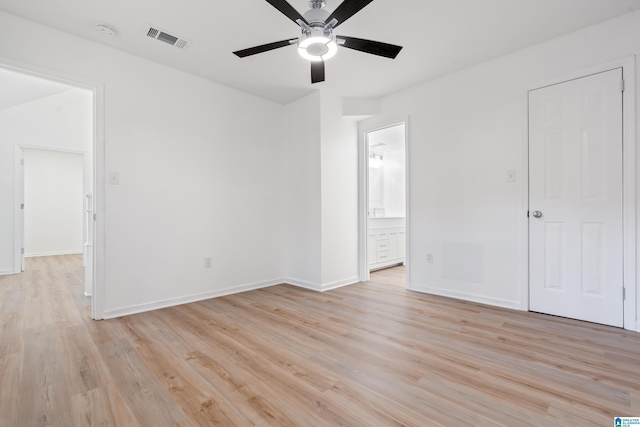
[622, 85]
[21, 162]
[21, 205]
[94, 217]
[21, 251]
[527, 214]
[624, 294]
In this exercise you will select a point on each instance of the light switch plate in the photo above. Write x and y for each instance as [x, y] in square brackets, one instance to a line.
[114, 178]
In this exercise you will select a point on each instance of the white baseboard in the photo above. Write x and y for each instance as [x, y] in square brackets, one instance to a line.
[56, 253]
[302, 284]
[321, 288]
[339, 284]
[638, 326]
[497, 302]
[87, 294]
[7, 272]
[141, 308]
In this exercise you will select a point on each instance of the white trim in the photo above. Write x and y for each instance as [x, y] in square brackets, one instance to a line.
[302, 284]
[86, 294]
[523, 225]
[363, 205]
[6, 272]
[18, 196]
[56, 253]
[465, 296]
[98, 167]
[339, 284]
[54, 149]
[99, 261]
[172, 302]
[629, 181]
[630, 209]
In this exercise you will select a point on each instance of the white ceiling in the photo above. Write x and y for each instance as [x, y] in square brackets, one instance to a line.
[17, 88]
[439, 37]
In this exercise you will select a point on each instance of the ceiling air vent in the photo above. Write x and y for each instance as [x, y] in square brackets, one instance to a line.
[159, 34]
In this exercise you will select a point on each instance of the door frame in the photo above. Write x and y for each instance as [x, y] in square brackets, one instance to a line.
[363, 191]
[97, 88]
[628, 180]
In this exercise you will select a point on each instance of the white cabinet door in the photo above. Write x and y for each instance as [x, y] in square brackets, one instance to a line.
[393, 244]
[575, 184]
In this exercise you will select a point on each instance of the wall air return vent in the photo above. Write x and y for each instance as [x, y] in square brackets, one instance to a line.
[164, 36]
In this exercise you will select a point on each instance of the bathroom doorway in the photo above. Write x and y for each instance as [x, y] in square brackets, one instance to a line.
[384, 183]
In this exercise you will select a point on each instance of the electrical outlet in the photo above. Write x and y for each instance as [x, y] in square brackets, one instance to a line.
[207, 262]
[430, 258]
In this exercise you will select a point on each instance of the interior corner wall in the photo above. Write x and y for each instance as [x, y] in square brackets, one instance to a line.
[322, 193]
[466, 130]
[196, 173]
[303, 200]
[58, 122]
[339, 170]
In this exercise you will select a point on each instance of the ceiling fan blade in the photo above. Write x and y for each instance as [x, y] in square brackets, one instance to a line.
[317, 71]
[287, 10]
[264, 48]
[347, 9]
[369, 46]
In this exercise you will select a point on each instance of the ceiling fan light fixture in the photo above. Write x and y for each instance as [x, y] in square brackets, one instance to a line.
[317, 47]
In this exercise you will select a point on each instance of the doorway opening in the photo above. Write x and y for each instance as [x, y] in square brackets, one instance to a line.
[384, 201]
[49, 138]
[54, 209]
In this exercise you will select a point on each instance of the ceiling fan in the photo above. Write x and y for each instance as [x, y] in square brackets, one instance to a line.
[317, 42]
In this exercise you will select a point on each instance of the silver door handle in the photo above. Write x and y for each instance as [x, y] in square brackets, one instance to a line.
[537, 214]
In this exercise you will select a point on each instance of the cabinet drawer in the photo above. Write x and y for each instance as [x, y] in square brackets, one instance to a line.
[383, 256]
[383, 235]
[383, 245]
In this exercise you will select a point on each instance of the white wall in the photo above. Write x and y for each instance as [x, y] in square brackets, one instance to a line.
[196, 162]
[467, 130]
[302, 177]
[60, 122]
[322, 193]
[53, 196]
[339, 170]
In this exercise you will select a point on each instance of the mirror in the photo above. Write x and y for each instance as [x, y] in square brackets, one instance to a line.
[375, 186]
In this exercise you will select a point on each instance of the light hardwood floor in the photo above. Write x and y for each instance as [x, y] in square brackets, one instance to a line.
[371, 354]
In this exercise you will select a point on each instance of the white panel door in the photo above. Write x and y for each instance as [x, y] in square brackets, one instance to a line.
[575, 199]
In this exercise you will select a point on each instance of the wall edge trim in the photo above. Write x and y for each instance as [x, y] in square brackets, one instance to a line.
[172, 302]
[339, 284]
[302, 284]
[480, 299]
[55, 253]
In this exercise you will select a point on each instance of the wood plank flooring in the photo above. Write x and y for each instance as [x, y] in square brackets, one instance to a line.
[371, 354]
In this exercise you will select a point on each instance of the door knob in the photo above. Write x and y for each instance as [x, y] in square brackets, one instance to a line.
[537, 214]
